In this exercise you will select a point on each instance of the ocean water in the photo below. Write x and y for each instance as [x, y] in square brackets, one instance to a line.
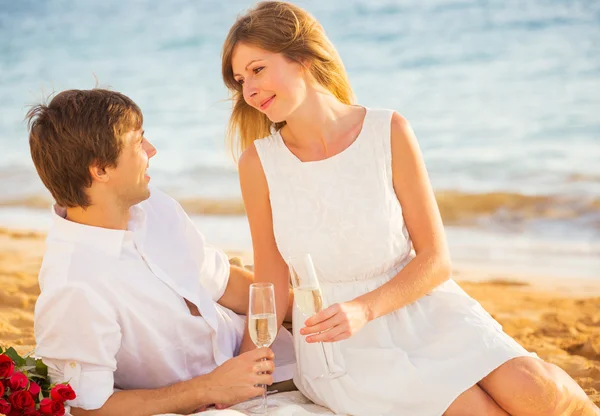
[504, 97]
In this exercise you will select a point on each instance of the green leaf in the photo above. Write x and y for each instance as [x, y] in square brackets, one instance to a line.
[14, 355]
[29, 353]
[41, 368]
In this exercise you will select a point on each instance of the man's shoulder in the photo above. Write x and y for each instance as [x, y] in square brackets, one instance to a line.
[64, 263]
[69, 273]
[159, 201]
[164, 214]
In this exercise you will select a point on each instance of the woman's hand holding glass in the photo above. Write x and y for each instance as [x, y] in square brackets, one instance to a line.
[309, 298]
[337, 322]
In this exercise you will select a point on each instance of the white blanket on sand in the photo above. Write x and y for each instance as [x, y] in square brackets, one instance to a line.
[291, 403]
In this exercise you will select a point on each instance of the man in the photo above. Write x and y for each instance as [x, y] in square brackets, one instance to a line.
[135, 310]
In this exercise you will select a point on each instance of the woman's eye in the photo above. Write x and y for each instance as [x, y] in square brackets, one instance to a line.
[255, 70]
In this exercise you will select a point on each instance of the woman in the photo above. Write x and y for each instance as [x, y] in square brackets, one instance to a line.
[348, 185]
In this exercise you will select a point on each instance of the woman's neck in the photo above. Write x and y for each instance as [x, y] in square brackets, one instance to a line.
[317, 121]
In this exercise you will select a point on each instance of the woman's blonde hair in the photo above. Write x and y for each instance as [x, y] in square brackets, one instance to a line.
[279, 27]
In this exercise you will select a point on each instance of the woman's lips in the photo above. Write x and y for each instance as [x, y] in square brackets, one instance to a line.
[266, 103]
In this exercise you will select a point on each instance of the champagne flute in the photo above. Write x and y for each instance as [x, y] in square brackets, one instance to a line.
[308, 296]
[262, 326]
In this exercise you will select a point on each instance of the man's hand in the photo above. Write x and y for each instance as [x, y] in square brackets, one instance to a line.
[239, 378]
[233, 382]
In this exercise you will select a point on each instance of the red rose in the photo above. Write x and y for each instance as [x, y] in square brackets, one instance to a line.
[4, 407]
[2, 389]
[31, 412]
[46, 406]
[18, 381]
[58, 409]
[21, 400]
[62, 392]
[51, 408]
[34, 389]
[6, 366]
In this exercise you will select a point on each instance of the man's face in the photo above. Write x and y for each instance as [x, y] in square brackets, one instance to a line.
[129, 179]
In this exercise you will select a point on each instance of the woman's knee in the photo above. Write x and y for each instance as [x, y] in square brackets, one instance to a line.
[541, 388]
[474, 402]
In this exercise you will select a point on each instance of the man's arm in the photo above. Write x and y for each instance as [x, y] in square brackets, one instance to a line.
[238, 290]
[185, 397]
[90, 339]
[233, 382]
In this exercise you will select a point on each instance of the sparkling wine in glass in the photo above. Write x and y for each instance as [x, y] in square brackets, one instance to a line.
[262, 326]
[263, 329]
[308, 296]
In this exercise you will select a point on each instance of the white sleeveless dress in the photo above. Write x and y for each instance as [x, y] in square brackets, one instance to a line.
[343, 211]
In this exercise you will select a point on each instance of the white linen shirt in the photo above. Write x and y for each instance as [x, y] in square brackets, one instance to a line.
[112, 312]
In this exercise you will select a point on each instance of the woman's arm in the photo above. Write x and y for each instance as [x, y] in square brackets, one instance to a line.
[428, 269]
[236, 294]
[237, 291]
[431, 266]
[269, 266]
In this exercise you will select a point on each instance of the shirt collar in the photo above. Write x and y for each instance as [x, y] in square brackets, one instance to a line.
[103, 239]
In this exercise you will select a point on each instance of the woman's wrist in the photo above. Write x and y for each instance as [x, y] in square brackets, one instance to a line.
[366, 306]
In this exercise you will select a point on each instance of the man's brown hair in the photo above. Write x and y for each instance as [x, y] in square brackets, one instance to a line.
[77, 129]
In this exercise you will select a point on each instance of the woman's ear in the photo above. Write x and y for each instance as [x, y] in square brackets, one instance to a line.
[306, 64]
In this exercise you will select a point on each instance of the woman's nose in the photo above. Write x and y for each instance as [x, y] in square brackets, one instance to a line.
[250, 89]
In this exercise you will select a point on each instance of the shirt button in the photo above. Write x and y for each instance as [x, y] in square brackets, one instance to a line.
[73, 364]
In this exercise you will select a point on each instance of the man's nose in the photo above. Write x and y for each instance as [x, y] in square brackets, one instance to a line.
[149, 148]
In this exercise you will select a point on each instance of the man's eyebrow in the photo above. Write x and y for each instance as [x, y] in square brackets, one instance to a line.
[249, 63]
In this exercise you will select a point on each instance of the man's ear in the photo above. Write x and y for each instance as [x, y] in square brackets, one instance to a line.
[98, 173]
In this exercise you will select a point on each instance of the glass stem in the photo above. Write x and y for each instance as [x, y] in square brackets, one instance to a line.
[264, 399]
[264, 395]
[326, 359]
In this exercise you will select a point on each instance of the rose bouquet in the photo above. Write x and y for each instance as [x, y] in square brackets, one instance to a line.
[25, 389]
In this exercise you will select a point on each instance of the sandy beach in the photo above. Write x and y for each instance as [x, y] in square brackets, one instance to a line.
[557, 319]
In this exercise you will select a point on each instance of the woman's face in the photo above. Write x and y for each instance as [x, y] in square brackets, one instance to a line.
[270, 82]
